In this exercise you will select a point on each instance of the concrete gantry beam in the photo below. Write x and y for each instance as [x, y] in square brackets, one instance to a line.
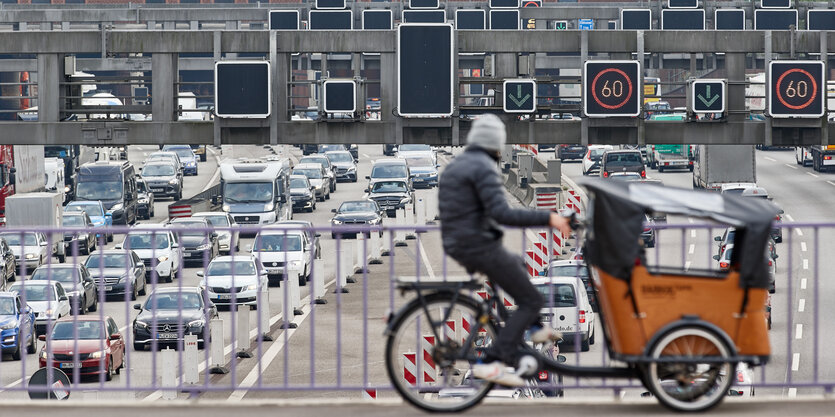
[371, 41]
[50, 42]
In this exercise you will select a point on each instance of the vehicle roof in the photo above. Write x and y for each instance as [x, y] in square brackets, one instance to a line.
[210, 213]
[188, 219]
[754, 191]
[8, 294]
[84, 203]
[554, 280]
[176, 289]
[162, 228]
[315, 155]
[295, 222]
[307, 165]
[110, 252]
[162, 153]
[335, 152]
[623, 151]
[74, 213]
[67, 265]
[273, 230]
[235, 258]
[390, 161]
[298, 176]
[570, 262]
[601, 147]
[92, 317]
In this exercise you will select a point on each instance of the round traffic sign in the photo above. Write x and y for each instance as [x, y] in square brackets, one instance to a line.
[796, 89]
[611, 88]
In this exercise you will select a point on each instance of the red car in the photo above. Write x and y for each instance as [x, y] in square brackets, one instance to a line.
[101, 348]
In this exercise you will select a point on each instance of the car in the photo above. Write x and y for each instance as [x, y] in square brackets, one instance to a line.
[566, 152]
[388, 169]
[166, 156]
[197, 241]
[157, 249]
[118, 272]
[389, 149]
[29, 248]
[8, 269]
[283, 251]
[199, 151]
[626, 160]
[302, 193]
[390, 195]
[75, 279]
[414, 150]
[98, 215]
[760, 192]
[357, 212]
[224, 225]
[308, 229]
[97, 343]
[351, 148]
[422, 171]
[163, 179]
[591, 160]
[727, 238]
[567, 309]
[234, 280]
[649, 232]
[144, 200]
[736, 187]
[626, 176]
[344, 164]
[170, 314]
[724, 259]
[17, 325]
[76, 233]
[323, 160]
[186, 155]
[317, 177]
[48, 301]
[574, 269]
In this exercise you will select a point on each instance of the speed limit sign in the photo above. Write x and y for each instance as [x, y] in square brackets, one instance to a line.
[611, 88]
[796, 89]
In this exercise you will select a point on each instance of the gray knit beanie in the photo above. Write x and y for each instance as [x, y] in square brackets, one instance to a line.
[487, 132]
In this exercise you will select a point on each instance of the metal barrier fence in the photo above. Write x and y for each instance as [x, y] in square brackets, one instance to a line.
[320, 328]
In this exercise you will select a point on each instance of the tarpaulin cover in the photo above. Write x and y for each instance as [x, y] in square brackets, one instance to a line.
[617, 212]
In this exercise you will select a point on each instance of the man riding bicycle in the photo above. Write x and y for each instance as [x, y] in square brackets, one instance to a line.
[472, 206]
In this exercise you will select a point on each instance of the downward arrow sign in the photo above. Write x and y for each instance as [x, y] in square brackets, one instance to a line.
[708, 102]
[520, 100]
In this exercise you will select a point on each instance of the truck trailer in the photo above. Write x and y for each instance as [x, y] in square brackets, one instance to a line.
[715, 165]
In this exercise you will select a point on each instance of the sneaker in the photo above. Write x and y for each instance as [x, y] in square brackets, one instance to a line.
[545, 335]
[497, 372]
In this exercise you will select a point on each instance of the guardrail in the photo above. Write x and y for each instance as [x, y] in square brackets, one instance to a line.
[326, 335]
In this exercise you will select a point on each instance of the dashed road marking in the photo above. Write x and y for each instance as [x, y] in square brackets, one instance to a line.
[792, 392]
[795, 362]
[803, 284]
[803, 246]
[798, 332]
[789, 217]
[692, 233]
[687, 265]
[831, 183]
[790, 166]
[692, 249]
[768, 158]
[799, 232]
[814, 175]
[801, 306]
[805, 264]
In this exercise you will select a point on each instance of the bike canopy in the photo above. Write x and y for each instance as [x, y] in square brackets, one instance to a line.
[617, 213]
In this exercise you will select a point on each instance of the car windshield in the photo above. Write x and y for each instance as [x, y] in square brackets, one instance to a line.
[595, 154]
[389, 187]
[158, 170]
[340, 157]
[248, 192]
[181, 152]
[389, 171]
[627, 177]
[190, 228]
[92, 210]
[7, 306]
[147, 241]
[217, 220]
[73, 221]
[221, 268]
[623, 158]
[310, 173]
[99, 190]
[736, 191]
[726, 255]
[172, 300]
[321, 160]
[357, 206]
[569, 271]
[420, 162]
[13, 239]
[114, 260]
[34, 292]
[68, 275]
[298, 183]
[163, 157]
[326, 148]
[83, 330]
[279, 243]
[414, 148]
[560, 295]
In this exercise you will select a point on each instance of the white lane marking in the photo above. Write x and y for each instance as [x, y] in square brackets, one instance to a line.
[799, 232]
[792, 392]
[690, 219]
[814, 175]
[425, 259]
[217, 170]
[801, 306]
[795, 362]
[365, 156]
[831, 183]
[798, 332]
[803, 246]
[768, 158]
[790, 166]
[692, 249]
[805, 264]
[789, 217]
[692, 233]
[803, 284]
[687, 265]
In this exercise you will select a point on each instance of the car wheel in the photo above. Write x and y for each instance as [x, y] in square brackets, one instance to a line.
[591, 338]
[170, 277]
[584, 346]
[302, 281]
[82, 308]
[133, 294]
[95, 305]
[354, 180]
[16, 353]
[144, 289]
[138, 346]
[108, 376]
[118, 370]
[110, 237]
[32, 347]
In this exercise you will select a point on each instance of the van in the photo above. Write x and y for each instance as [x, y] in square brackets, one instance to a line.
[567, 309]
[114, 184]
[622, 161]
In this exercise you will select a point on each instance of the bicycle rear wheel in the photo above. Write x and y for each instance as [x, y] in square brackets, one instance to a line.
[422, 354]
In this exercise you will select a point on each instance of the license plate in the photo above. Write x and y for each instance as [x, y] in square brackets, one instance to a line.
[195, 254]
[156, 190]
[224, 296]
[546, 318]
[68, 365]
[166, 335]
[108, 288]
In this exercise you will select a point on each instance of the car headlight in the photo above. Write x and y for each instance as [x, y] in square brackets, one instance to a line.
[336, 221]
[48, 313]
[352, 168]
[204, 246]
[318, 186]
[269, 206]
[225, 207]
[191, 164]
[251, 287]
[197, 323]
[67, 189]
[173, 181]
[43, 354]
[374, 221]
[223, 237]
[162, 258]
[97, 354]
[140, 324]
[30, 256]
[405, 200]
[9, 325]
[117, 207]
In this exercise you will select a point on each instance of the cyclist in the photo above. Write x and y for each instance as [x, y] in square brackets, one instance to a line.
[472, 205]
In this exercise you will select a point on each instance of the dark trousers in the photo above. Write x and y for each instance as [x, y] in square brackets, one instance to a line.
[507, 271]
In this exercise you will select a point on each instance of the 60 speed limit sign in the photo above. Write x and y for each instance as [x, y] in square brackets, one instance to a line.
[611, 89]
[796, 89]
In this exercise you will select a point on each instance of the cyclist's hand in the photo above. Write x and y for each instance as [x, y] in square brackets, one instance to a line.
[560, 223]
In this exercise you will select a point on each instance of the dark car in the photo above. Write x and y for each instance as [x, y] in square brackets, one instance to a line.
[622, 161]
[117, 272]
[82, 239]
[169, 314]
[390, 195]
[145, 200]
[8, 270]
[302, 193]
[389, 149]
[356, 213]
[80, 288]
[564, 152]
[344, 164]
[17, 324]
[163, 179]
[197, 243]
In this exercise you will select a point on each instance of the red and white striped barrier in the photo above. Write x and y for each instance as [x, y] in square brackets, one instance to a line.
[450, 328]
[573, 201]
[428, 365]
[556, 243]
[546, 201]
[369, 394]
[410, 368]
[531, 264]
[465, 328]
[179, 211]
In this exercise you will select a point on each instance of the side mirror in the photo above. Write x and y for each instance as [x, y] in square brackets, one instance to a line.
[175, 245]
[214, 235]
[717, 238]
[317, 235]
[312, 188]
[42, 338]
[137, 306]
[116, 336]
[117, 247]
[715, 257]
[27, 310]
[200, 273]
[43, 243]
[368, 177]
[775, 256]
[63, 298]
[333, 210]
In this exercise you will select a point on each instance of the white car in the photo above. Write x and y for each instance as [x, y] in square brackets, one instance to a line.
[409, 150]
[163, 246]
[32, 248]
[283, 250]
[568, 311]
[48, 301]
[234, 279]
[593, 157]
[736, 187]
[224, 225]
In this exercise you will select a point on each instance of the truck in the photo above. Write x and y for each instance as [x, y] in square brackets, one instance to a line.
[715, 165]
[256, 191]
[823, 157]
[21, 171]
[663, 157]
[74, 156]
[41, 210]
[54, 177]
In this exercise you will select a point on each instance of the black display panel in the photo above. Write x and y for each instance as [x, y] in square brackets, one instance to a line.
[424, 71]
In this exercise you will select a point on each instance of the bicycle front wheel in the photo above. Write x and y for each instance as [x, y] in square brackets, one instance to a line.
[424, 356]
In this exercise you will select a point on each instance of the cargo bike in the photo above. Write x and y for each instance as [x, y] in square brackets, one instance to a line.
[681, 333]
